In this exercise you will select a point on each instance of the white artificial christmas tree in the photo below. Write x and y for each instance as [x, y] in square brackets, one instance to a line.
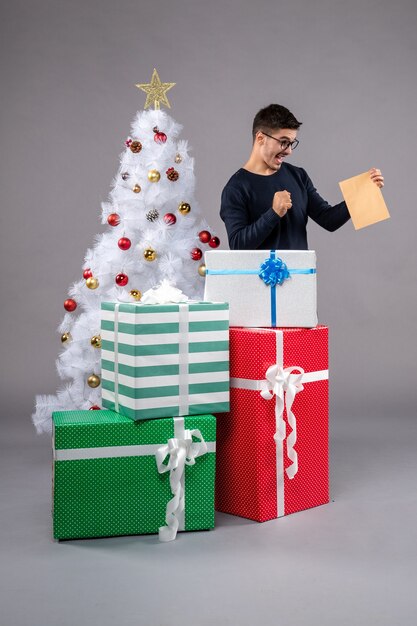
[155, 233]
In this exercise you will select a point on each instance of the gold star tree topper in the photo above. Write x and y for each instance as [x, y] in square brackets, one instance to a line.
[156, 92]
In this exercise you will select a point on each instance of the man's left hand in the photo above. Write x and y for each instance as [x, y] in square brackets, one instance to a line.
[376, 177]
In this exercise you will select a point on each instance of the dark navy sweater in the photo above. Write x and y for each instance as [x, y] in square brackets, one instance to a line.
[251, 223]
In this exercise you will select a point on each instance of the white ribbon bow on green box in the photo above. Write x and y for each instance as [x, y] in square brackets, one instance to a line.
[181, 451]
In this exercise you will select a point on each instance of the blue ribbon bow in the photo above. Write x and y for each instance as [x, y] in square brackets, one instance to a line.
[273, 271]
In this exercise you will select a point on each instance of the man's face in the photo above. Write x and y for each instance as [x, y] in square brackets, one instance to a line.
[271, 150]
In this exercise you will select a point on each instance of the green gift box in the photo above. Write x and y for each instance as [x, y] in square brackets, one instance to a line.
[114, 476]
[164, 360]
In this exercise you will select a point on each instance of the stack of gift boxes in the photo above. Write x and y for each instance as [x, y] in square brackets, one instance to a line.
[272, 447]
[151, 461]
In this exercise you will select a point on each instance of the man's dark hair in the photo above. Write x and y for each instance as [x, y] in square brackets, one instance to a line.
[272, 118]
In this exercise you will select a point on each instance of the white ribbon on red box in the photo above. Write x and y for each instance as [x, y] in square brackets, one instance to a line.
[284, 384]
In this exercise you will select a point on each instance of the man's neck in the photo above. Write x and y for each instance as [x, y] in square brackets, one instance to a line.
[258, 166]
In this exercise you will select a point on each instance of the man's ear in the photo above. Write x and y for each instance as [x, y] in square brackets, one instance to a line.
[259, 138]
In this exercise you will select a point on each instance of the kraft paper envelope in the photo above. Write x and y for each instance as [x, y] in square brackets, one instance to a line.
[364, 200]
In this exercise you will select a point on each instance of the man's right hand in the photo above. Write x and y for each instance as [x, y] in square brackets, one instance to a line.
[281, 202]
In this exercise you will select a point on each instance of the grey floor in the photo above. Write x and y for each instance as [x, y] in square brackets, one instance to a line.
[352, 562]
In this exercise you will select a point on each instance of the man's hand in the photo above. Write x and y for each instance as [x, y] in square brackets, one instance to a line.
[376, 177]
[281, 202]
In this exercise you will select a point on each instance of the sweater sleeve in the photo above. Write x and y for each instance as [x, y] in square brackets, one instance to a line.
[242, 234]
[329, 217]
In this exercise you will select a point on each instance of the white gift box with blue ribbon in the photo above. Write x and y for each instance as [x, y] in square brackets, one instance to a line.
[273, 288]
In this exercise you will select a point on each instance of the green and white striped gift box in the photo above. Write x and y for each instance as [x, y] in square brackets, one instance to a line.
[165, 360]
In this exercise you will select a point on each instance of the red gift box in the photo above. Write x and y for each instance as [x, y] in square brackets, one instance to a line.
[272, 448]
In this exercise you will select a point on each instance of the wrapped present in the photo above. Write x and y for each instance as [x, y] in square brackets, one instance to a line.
[113, 476]
[164, 360]
[272, 448]
[275, 288]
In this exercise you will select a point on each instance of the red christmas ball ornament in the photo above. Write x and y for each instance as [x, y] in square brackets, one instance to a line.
[124, 243]
[170, 219]
[204, 236]
[159, 136]
[121, 280]
[87, 273]
[196, 254]
[113, 219]
[95, 407]
[214, 242]
[70, 305]
[128, 142]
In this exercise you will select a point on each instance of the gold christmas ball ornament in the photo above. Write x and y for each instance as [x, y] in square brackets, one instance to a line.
[96, 341]
[149, 254]
[137, 188]
[93, 381]
[202, 270]
[92, 283]
[66, 337]
[178, 158]
[136, 294]
[153, 176]
[184, 208]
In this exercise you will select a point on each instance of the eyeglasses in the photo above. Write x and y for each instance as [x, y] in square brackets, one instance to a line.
[285, 144]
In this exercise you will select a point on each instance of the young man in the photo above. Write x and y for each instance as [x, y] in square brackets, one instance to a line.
[267, 203]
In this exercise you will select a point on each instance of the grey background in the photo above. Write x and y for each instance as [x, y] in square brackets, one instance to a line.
[347, 71]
